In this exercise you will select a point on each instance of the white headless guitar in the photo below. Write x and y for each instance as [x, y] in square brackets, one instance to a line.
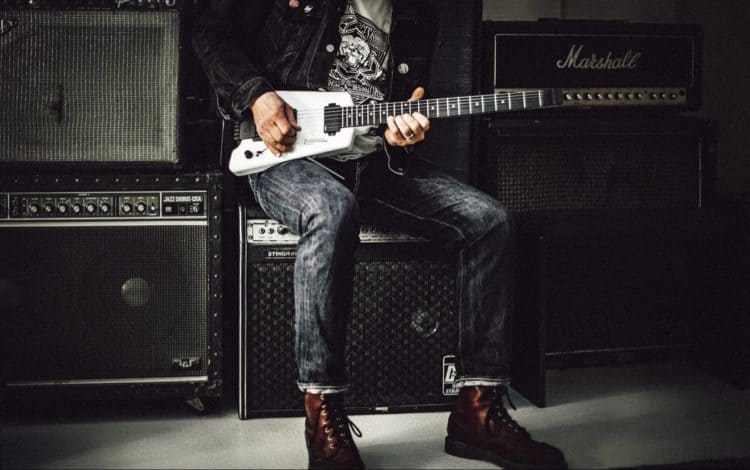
[330, 121]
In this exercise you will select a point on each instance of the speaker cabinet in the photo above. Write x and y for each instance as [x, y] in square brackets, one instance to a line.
[584, 164]
[110, 284]
[93, 82]
[402, 329]
[617, 287]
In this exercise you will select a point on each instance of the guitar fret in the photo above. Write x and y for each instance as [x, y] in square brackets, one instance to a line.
[377, 113]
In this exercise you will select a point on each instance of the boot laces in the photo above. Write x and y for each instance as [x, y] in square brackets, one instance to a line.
[337, 426]
[499, 414]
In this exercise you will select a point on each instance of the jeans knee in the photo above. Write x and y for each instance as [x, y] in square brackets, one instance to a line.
[336, 212]
[491, 220]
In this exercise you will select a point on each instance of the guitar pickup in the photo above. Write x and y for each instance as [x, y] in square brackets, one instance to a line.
[332, 119]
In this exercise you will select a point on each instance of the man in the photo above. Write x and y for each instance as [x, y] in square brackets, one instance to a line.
[375, 50]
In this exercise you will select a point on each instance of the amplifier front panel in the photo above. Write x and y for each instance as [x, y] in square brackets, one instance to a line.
[90, 86]
[111, 283]
[401, 337]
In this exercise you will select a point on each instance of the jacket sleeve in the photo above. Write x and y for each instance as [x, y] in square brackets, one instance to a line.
[218, 35]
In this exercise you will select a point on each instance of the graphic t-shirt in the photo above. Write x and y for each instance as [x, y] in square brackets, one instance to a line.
[361, 63]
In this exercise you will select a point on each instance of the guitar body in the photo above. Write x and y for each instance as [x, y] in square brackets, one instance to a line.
[252, 155]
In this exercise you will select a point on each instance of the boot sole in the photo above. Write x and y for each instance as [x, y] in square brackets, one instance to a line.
[468, 451]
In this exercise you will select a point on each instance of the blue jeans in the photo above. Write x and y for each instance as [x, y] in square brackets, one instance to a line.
[325, 214]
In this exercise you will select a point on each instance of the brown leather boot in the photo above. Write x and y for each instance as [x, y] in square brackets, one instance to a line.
[329, 440]
[479, 427]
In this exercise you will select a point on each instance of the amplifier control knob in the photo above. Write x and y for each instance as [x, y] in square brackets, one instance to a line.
[76, 208]
[90, 207]
[579, 96]
[653, 96]
[638, 95]
[673, 96]
[140, 207]
[49, 208]
[104, 208]
[126, 208]
[589, 96]
[618, 96]
[283, 230]
[62, 208]
[568, 97]
[33, 208]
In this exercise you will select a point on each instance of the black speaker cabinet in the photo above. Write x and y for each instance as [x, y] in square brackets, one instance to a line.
[607, 163]
[611, 287]
[110, 285]
[402, 330]
[90, 82]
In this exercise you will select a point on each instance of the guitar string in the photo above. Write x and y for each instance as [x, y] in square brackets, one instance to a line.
[463, 102]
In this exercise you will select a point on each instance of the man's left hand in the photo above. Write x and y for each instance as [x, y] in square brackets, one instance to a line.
[407, 129]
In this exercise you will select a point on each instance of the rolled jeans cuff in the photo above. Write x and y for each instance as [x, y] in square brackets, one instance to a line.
[480, 382]
[319, 389]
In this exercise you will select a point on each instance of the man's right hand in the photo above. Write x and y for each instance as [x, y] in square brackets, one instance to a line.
[275, 122]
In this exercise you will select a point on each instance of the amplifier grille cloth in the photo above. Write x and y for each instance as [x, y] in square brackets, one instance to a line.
[402, 324]
[89, 86]
[594, 172]
[103, 302]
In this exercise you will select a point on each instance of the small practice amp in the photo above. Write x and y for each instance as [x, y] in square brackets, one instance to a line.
[110, 285]
[402, 329]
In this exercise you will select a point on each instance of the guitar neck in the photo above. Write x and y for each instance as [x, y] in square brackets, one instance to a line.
[437, 108]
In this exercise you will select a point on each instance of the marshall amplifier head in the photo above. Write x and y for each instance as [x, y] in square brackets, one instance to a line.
[110, 285]
[402, 330]
[598, 65]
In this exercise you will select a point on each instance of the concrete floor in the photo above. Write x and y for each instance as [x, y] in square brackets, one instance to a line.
[601, 417]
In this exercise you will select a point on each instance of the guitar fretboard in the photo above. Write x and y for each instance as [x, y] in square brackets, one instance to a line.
[377, 113]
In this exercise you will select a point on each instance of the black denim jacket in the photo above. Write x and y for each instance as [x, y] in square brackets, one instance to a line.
[249, 47]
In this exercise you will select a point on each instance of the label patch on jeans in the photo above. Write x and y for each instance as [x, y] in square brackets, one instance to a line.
[449, 375]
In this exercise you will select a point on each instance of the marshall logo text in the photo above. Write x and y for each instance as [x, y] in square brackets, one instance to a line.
[574, 60]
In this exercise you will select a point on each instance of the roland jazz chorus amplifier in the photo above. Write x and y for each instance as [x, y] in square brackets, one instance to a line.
[110, 285]
[402, 329]
[90, 81]
[602, 65]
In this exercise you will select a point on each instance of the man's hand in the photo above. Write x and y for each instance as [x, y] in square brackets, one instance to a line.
[275, 122]
[407, 129]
